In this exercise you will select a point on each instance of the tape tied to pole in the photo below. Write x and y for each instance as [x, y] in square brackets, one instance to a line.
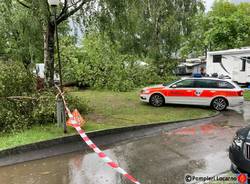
[76, 121]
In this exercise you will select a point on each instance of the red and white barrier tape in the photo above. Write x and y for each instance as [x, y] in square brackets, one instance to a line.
[101, 155]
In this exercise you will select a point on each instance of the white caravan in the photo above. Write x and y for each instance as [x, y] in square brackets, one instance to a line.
[234, 63]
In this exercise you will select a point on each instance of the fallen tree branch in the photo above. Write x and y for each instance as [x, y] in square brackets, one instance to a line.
[19, 98]
[24, 97]
[23, 4]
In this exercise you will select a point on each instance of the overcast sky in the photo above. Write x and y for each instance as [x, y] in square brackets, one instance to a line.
[209, 3]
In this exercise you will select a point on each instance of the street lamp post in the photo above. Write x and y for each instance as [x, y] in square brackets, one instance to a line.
[61, 118]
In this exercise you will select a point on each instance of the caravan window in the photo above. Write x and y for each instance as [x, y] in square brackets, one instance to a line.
[244, 61]
[217, 58]
[248, 60]
[243, 64]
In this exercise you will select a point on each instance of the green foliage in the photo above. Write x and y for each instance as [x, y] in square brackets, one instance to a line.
[152, 29]
[21, 33]
[18, 113]
[194, 45]
[226, 26]
[229, 26]
[247, 95]
[15, 80]
[44, 108]
[14, 115]
[75, 102]
[101, 65]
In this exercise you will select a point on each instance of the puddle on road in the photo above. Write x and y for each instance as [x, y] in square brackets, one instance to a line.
[84, 168]
[161, 159]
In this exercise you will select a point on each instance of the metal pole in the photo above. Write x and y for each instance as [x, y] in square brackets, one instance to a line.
[58, 50]
[61, 117]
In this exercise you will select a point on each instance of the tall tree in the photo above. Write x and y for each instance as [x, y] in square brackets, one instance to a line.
[229, 25]
[146, 27]
[226, 26]
[20, 40]
[150, 28]
[39, 12]
[194, 44]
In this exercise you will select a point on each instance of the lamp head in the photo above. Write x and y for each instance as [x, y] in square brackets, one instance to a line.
[53, 2]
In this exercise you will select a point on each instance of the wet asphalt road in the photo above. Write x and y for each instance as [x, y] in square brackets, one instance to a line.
[160, 159]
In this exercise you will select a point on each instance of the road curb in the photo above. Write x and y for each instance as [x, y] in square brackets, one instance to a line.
[76, 138]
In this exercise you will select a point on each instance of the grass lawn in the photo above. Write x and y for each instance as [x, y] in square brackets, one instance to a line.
[109, 110]
[113, 109]
[35, 134]
[247, 95]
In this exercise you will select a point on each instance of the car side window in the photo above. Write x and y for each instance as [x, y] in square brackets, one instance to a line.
[212, 84]
[206, 84]
[201, 84]
[225, 85]
[185, 84]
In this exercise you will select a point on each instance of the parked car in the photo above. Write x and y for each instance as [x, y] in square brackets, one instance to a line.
[239, 151]
[217, 93]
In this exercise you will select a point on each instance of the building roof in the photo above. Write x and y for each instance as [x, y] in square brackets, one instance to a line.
[230, 51]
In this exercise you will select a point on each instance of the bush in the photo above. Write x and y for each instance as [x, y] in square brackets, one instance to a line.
[15, 115]
[21, 113]
[15, 80]
[45, 107]
[75, 102]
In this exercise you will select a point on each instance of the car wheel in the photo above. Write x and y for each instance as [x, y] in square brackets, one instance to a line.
[219, 104]
[157, 100]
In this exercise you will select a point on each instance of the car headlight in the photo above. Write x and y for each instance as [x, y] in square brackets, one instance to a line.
[237, 141]
[145, 91]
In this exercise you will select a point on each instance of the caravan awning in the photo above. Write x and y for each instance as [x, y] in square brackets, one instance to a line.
[188, 64]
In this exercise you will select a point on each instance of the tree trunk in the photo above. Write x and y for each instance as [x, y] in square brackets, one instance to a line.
[49, 43]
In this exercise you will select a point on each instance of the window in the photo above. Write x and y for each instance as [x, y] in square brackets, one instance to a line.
[248, 60]
[225, 85]
[205, 84]
[184, 84]
[201, 83]
[244, 60]
[213, 84]
[217, 58]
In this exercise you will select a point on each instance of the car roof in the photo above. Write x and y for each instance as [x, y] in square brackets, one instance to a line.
[206, 78]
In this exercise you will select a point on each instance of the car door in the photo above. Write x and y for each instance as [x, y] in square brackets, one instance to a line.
[205, 89]
[181, 92]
